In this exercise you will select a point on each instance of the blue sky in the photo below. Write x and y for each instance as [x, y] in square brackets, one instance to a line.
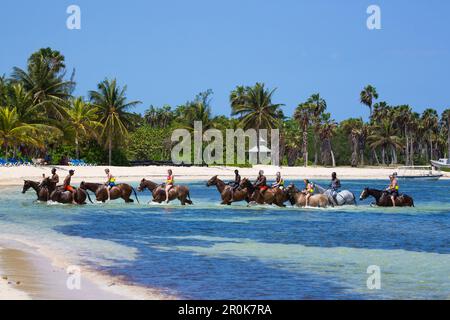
[168, 51]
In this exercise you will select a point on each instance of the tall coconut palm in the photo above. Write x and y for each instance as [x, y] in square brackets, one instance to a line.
[446, 123]
[111, 102]
[385, 136]
[82, 119]
[367, 97]
[430, 121]
[255, 108]
[44, 78]
[327, 130]
[319, 106]
[13, 132]
[303, 114]
[353, 129]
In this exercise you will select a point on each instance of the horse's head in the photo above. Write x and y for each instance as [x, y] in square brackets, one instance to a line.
[26, 186]
[212, 181]
[83, 185]
[245, 183]
[364, 194]
[142, 185]
[291, 191]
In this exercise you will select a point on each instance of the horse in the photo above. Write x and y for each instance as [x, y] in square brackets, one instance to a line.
[344, 197]
[270, 196]
[382, 198]
[226, 192]
[66, 197]
[159, 194]
[122, 190]
[41, 192]
[298, 198]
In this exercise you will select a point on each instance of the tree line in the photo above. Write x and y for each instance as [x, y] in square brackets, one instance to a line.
[40, 117]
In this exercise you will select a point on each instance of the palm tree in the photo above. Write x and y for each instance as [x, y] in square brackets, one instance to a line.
[446, 123]
[353, 129]
[385, 136]
[303, 114]
[14, 132]
[255, 108]
[367, 96]
[327, 130]
[112, 105]
[430, 121]
[319, 106]
[82, 120]
[44, 79]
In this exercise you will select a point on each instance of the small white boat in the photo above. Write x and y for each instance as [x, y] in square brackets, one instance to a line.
[419, 173]
[441, 163]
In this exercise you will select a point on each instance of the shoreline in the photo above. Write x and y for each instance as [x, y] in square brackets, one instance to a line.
[30, 272]
[14, 176]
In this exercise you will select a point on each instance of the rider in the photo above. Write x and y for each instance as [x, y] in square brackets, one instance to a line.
[279, 182]
[237, 181]
[261, 182]
[393, 188]
[68, 187]
[110, 182]
[169, 183]
[53, 179]
[309, 190]
[335, 185]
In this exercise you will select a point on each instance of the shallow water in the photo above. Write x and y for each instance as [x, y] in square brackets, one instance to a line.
[208, 251]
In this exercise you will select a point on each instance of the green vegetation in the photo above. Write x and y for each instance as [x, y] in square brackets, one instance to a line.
[40, 118]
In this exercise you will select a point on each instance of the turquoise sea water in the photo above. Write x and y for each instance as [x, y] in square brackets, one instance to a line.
[208, 251]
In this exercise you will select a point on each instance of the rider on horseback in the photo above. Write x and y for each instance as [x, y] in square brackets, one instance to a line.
[309, 190]
[68, 187]
[261, 183]
[335, 185]
[169, 184]
[237, 181]
[279, 182]
[110, 182]
[393, 188]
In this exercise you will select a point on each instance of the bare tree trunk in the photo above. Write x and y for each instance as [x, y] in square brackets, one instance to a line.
[448, 139]
[77, 148]
[383, 156]
[406, 148]
[411, 151]
[305, 146]
[110, 151]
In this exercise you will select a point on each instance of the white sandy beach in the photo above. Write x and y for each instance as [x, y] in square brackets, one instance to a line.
[15, 175]
[27, 272]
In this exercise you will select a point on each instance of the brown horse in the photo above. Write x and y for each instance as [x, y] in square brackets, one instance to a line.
[383, 199]
[159, 195]
[41, 192]
[298, 198]
[270, 196]
[228, 195]
[67, 197]
[122, 190]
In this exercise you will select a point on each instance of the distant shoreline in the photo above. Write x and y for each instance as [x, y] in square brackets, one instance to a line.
[14, 176]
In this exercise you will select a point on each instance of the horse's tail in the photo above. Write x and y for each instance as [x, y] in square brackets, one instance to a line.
[87, 194]
[189, 197]
[135, 195]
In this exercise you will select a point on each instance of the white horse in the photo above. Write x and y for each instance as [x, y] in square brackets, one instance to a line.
[344, 197]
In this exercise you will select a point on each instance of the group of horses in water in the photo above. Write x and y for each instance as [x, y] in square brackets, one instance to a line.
[322, 198]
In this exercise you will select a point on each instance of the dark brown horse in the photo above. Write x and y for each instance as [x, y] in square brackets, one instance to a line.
[159, 194]
[41, 192]
[228, 195]
[270, 196]
[382, 198]
[67, 197]
[122, 190]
